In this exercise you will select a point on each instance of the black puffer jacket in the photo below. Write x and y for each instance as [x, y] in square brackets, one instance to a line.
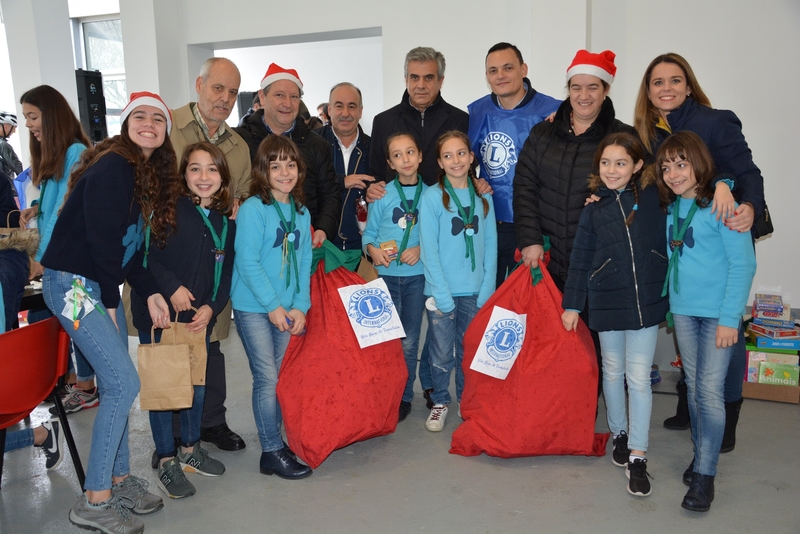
[427, 126]
[622, 269]
[551, 182]
[323, 192]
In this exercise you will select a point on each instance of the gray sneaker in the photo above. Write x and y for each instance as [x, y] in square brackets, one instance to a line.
[172, 481]
[135, 489]
[112, 517]
[198, 461]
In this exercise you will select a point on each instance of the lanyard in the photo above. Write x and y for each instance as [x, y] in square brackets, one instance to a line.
[219, 243]
[147, 240]
[677, 243]
[469, 229]
[410, 219]
[289, 253]
[40, 212]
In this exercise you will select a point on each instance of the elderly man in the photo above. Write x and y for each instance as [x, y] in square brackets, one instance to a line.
[350, 150]
[422, 112]
[280, 94]
[217, 87]
[499, 124]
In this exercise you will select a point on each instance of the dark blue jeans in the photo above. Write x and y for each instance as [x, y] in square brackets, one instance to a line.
[406, 293]
[13, 277]
[161, 422]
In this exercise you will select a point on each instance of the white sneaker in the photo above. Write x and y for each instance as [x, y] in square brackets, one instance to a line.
[436, 419]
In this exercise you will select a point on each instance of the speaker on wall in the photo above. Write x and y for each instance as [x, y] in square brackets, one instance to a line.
[92, 104]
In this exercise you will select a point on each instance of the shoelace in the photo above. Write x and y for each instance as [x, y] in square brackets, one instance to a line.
[437, 414]
[639, 469]
[122, 505]
[138, 486]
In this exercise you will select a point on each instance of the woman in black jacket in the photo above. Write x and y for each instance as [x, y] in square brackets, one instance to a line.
[550, 185]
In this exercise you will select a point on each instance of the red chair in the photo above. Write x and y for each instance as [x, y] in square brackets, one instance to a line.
[35, 357]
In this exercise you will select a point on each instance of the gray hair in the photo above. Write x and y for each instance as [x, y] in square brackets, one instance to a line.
[205, 69]
[347, 84]
[422, 54]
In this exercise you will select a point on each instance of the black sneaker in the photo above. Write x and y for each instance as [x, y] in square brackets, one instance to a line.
[638, 483]
[621, 451]
[428, 401]
[52, 444]
[405, 409]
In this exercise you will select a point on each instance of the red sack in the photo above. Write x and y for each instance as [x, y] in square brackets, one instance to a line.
[547, 403]
[332, 392]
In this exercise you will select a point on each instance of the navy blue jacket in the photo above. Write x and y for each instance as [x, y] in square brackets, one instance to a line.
[347, 236]
[426, 127]
[188, 260]
[621, 269]
[721, 131]
[99, 232]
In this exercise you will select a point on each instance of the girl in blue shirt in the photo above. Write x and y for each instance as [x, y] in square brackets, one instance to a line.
[458, 237]
[709, 276]
[393, 220]
[271, 286]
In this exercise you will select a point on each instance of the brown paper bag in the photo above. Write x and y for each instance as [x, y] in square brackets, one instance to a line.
[366, 270]
[165, 373]
[198, 355]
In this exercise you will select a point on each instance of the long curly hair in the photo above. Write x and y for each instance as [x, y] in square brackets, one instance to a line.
[222, 200]
[60, 129]
[277, 148]
[156, 178]
[635, 149]
[461, 136]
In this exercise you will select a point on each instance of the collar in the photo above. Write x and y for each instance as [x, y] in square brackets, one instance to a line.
[530, 92]
[407, 102]
[203, 126]
[352, 145]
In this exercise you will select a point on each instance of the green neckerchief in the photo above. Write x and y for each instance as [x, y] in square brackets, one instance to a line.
[219, 243]
[147, 240]
[411, 220]
[676, 245]
[289, 254]
[469, 231]
[39, 212]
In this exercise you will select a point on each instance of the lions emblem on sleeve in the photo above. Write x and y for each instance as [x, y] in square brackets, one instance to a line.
[504, 339]
[370, 307]
[498, 154]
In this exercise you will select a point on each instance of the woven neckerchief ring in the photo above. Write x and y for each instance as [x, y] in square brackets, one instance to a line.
[289, 254]
[409, 217]
[469, 229]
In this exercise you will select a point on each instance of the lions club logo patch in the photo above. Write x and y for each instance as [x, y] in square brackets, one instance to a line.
[370, 307]
[498, 154]
[504, 339]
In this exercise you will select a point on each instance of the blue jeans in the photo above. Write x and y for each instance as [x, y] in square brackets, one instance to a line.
[265, 346]
[161, 421]
[705, 366]
[736, 370]
[106, 348]
[446, 335]
[19, 439]
[629, 353]
[406, 293]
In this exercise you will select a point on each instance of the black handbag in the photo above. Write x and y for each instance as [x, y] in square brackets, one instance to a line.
[763, 225]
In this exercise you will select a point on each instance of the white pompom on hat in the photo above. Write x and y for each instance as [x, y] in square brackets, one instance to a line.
[275, 72]
[144, 98]
[600, 65]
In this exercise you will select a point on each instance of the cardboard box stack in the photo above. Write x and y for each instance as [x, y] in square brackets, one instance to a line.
[772, 354]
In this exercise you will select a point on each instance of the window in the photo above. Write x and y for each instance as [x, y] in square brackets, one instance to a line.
[101, 44]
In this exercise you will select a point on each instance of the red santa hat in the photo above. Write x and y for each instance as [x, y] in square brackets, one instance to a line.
[144, 98]
[600, 65]
[276, 72]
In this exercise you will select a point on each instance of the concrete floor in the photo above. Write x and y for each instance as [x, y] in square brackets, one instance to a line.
[407, 482]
